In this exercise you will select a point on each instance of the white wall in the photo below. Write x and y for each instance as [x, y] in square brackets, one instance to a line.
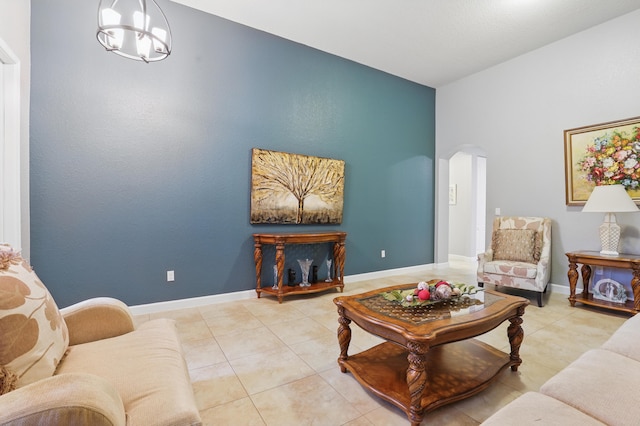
[517, 112]
[15, 17]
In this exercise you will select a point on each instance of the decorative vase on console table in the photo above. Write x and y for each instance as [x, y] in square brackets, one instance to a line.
[275, 277]
[304, 268]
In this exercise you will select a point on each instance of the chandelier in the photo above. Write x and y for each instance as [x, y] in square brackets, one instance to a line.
[131, 29]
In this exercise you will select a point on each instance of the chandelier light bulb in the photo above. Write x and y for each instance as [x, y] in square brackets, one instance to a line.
[159, 42]
[114, 35]
[143, 45]
[141, 21]
[110, 16]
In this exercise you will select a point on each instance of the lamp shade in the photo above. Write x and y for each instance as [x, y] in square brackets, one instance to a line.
[609, 199]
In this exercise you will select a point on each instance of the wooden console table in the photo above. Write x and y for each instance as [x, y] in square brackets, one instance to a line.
[280, 240]
[594, 258]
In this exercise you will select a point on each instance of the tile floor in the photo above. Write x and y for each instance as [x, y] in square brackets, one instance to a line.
[257, 362]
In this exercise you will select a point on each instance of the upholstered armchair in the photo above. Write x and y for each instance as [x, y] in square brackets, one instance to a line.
[86, 364]
[519, 255]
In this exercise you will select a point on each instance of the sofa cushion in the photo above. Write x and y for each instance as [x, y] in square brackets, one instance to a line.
[519, 245]
[626, 340]
[147, 368]
[533, 409]
[600, 383]
[33, 335]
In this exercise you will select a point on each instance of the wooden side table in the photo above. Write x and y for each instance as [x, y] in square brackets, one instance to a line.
[282, 239]
[594, 258]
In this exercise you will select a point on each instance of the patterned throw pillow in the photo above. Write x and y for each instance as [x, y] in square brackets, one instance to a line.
[537, 250]
[517, 245]
[33, 334]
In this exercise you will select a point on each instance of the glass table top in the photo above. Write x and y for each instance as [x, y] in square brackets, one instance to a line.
[427, 312]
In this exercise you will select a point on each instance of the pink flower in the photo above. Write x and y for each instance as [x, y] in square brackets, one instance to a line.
[621, 155]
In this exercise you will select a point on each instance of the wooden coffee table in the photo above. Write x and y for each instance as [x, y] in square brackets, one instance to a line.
[429, 358]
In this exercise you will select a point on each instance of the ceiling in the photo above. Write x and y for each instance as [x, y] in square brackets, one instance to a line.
[431, 42]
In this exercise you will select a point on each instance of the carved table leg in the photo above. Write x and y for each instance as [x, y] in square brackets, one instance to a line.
[516, 335]
[257, 257]
[416, 380]
[280, 268]
[573, 279]
[635, 286]
[339, 255]
[586, 279]
[344, 337]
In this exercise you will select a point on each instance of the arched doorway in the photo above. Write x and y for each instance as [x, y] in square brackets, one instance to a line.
[461, 200]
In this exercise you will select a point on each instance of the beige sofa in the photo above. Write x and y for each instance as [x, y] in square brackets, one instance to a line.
[86, 364]
[600, 387]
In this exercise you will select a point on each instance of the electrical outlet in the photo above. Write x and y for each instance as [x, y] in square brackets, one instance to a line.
[171, 276]
[383, 253]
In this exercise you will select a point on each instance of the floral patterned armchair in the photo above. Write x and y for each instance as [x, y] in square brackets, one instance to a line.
[519, 255]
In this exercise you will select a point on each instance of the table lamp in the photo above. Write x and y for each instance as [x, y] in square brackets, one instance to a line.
[609, 199]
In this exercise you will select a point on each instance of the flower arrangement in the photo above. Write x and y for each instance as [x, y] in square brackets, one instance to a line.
[613, 158]
[429, 292]
[8, 256]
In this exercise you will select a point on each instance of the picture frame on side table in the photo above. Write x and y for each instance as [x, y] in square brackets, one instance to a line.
[602, 154]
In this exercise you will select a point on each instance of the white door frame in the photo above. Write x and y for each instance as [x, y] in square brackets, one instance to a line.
[10, 212]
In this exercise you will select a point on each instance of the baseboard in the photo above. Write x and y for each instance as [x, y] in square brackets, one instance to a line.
[559, 288]
[194, 302]
[464, 259]
[389, 273]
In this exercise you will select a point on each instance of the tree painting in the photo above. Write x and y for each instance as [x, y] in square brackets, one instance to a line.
[294, 188]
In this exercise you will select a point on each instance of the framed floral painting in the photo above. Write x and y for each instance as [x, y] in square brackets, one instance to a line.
[602, 154]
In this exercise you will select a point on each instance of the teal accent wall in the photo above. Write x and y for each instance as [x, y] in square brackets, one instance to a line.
[139, 168]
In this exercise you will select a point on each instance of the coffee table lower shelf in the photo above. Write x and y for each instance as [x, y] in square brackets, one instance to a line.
[454, 371]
